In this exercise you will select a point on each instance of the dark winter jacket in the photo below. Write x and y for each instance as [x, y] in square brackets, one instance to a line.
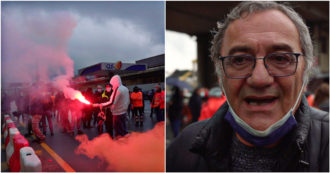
[205, 146]
[195, 106]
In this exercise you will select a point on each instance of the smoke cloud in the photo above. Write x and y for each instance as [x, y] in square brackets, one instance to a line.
[34, 46]
[34, 50]
[135, 152]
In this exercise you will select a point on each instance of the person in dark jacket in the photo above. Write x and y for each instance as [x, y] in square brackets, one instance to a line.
[321, 100]
[97, 110]
[109, 119]
[175, 110]
[195, 105]
[263, 55]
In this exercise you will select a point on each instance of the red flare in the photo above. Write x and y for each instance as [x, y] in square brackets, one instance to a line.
[81, 98]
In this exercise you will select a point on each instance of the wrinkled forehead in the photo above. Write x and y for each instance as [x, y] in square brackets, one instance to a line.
[261, 25]
[267, 19]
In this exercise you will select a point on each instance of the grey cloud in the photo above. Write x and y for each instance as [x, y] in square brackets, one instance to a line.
[106, 31]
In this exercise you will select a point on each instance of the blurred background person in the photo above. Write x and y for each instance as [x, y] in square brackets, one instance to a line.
[212, 103]
[321, 100]
[195, 105]
[175, 107]
[156, 100]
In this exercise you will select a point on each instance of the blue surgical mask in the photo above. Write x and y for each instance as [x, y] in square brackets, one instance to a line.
[287, 119]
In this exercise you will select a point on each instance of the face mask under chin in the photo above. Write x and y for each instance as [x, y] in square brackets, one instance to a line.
[258, 137]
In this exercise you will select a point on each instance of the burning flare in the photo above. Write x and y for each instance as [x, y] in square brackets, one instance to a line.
[81, 98]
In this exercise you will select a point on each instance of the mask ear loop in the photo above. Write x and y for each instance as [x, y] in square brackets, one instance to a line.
[299, 95]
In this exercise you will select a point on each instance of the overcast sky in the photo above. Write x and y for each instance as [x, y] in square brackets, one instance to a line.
[104, 31]
[181, 51]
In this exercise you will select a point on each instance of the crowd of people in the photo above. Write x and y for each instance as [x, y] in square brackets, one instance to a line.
[108, 112]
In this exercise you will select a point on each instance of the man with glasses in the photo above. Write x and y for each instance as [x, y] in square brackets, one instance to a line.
[263, 58]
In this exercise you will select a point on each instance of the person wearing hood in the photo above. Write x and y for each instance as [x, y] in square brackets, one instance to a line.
[119, 101]
[263, 56]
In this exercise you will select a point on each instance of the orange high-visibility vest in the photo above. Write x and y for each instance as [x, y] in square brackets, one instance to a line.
[310, 100]
[211, 106]
[156, 100]
[162, 100]
[137, 99]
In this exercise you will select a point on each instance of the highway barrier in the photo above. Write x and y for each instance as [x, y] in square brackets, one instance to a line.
[10, 147]
[6, 117]
[19, 155]
[9, 124]
[29, 161]
[14, 162]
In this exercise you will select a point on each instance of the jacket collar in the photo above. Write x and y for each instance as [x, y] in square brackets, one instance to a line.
[214, 139]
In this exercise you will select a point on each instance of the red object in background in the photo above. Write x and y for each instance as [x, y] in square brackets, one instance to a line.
[14, 161]
[137, 99]
[6, 118]
[9, 125]
[310, 99]
[156, 100]
[211, 106]
[162, 100]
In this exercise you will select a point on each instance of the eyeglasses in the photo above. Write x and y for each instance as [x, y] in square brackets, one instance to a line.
[277, 64]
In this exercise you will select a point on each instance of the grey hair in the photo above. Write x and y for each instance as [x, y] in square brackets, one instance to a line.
[247, 8]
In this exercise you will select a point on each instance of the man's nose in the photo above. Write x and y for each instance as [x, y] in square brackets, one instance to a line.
[260, 77]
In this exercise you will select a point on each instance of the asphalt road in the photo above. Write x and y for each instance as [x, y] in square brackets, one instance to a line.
[57, 152]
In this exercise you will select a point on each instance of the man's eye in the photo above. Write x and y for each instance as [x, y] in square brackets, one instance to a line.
[240, 60]
[280, 59]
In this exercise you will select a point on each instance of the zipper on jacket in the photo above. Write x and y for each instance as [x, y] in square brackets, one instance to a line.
[301, 159]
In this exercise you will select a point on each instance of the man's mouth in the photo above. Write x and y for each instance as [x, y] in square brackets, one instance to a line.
[260, 101]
